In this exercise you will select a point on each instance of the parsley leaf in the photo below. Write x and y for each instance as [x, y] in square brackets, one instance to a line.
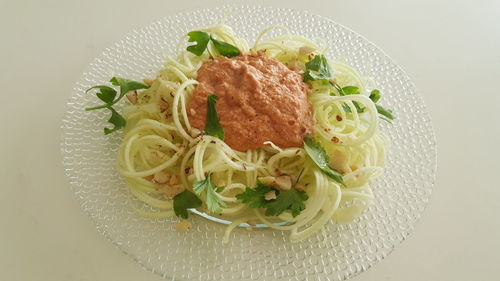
[385, 112]
[359, 109]
[292, 200]
[108, 94]
[375, 95]
[127, 85]
[117, 120]
[318, 154]
[183, 201]
[254, 197]
[201, 39]
[350, 90]
[214, 203]
[317, 69]
[212, 125]
[225, 49]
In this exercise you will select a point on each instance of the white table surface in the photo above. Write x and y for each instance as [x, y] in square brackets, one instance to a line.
[451, 50]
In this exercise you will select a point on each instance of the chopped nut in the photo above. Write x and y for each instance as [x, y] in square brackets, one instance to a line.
[163, 105]
[305, 50]
[252, 222]
[270, 195]
[171, 190]
[284, 182]
[268, 180]
[220, 183]
[160, 177]
[300, 186]
[149, 178]
[132, 97]
[174, 179]
[195, 132]
[339, 162]
[183, 225]
[158, 156]
[147, 81]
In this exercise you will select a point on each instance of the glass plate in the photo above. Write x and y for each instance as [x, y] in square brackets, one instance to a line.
[342, 251]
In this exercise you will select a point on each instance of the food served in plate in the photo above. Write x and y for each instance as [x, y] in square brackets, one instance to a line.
[275, 134]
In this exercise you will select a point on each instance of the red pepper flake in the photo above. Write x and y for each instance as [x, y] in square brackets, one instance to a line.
[335, 140]
[339, 118]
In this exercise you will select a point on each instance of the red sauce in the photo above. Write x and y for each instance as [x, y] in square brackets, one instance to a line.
[259, 99]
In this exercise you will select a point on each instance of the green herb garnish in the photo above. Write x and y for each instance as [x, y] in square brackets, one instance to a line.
[318, 155]
[108, 94]
[214, 203]
[254, 197]
[375, 95]
[183, 201]
[350, 90]
[225, 49]
[317, 69]
[212, 125]
[387, 114]
[292, 200]
[202, 38]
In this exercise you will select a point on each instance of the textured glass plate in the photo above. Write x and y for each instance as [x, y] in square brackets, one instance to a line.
[344, 250]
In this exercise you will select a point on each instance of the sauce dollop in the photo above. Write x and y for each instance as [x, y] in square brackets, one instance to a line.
[259, 99]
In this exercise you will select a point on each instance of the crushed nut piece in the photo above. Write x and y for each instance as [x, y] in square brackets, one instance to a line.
[252, 222]
[270, 195]
[174, 179]
[305, 50]
[195, 132]
[183, 225]
[339, 162]
[149, 178]
[284, 182]
[160, 177]
[147, 81]
[171, 190]
[300, 186]
[132, 97]
[220, 183]
[163, 105]
[268, 180]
